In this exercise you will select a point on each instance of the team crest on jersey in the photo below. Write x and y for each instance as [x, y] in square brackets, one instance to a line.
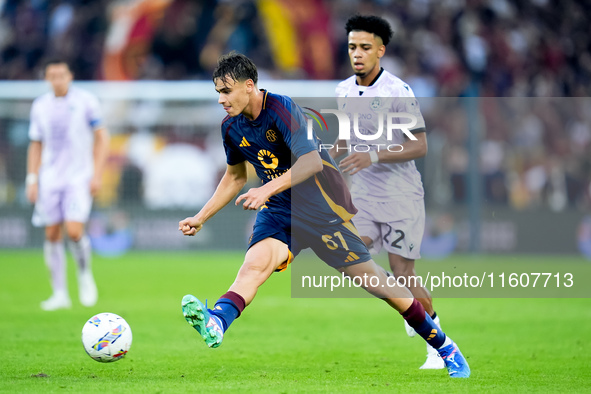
[271, 135]
[376, 103]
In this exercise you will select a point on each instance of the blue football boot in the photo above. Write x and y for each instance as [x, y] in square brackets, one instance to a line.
[456, 364]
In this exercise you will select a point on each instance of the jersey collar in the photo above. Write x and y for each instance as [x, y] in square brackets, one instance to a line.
[68, 94]
[265, 97]
[375, 79]
[257, 120]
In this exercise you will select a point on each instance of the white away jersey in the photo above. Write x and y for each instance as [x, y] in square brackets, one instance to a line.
[65, 126]
[381, 181]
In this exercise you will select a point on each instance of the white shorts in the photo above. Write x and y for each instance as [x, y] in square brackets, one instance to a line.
[69, 204]
[397, 226]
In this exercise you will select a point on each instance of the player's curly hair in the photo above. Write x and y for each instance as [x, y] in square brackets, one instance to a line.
[371, 24]
[236, 66]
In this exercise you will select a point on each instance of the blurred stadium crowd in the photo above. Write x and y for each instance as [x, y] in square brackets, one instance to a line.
[533, 154]
[510, 48]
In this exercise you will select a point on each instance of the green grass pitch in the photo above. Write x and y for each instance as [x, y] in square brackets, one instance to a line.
[280, 344]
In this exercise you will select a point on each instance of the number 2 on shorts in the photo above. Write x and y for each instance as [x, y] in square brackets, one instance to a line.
[395, 242]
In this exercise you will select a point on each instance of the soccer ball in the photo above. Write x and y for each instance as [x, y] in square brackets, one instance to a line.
[106, 337]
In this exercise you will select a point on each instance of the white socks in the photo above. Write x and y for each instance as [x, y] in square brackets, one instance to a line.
[81, 251]
[55, 259]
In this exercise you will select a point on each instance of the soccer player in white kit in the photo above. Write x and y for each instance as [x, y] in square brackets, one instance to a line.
[385, 184]
[67, 151]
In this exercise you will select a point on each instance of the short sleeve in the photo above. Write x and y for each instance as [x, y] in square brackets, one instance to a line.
[94, 115]
[35, 130]
[292, 124]
[233, 155]
[408, 103]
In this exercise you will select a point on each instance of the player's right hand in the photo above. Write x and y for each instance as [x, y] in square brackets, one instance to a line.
[190, 226]
[32, 191]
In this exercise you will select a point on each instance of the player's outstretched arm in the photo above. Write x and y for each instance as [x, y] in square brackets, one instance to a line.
[411, 150]
[33, 164]
[100, 154]
[231, 183]
[305, 166]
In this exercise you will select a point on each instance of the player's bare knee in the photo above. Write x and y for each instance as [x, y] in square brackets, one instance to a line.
[53, 233]
[53, 238]
[74, 230]
[75, 234]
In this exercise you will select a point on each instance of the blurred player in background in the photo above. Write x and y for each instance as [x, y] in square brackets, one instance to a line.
[386, 185]
[302, 205]
[67, 152]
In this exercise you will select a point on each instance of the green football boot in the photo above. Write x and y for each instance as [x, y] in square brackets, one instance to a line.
[201, 319]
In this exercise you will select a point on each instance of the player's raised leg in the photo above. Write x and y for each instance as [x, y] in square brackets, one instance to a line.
[413, 312]
[403, 267]
[82, 253]
[260, 262]
[55, 258]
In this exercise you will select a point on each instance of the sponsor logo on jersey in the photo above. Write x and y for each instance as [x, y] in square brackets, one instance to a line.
[268, 159]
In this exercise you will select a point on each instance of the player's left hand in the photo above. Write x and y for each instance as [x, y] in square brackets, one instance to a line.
[254, 198]
[95, 185]
[355, 162]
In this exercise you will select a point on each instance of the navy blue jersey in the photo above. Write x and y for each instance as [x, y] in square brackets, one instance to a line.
[272, 143]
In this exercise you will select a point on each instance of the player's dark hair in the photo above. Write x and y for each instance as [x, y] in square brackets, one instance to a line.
[54, 61]
[371, 24]
[236, 66]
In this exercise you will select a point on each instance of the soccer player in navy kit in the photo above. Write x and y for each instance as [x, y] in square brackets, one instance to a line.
[269, 131]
